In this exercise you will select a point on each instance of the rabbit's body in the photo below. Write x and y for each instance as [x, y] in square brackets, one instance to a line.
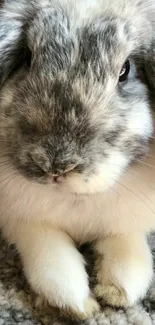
[72, 121]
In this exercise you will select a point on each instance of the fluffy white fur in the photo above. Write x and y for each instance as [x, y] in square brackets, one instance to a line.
[125, 268]
[51, 261]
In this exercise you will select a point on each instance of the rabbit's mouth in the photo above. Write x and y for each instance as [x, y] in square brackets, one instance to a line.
[74, 175]
[71, 178]
[59, 177]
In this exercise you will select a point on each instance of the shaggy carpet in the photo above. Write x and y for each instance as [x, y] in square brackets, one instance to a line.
[19, 305]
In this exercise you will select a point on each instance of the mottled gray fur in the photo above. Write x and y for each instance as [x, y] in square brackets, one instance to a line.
[54, 119]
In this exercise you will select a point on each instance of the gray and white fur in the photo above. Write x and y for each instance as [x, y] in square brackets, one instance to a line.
[69, 128]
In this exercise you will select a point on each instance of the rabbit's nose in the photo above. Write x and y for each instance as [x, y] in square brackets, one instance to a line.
[59, 173]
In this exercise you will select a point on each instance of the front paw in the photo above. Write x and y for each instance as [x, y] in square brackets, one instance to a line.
[56, 270]
[123, 270]
[91, 307]
[122, 286]
[112, 295]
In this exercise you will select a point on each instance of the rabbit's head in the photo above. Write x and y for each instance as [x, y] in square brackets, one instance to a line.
[78, 114]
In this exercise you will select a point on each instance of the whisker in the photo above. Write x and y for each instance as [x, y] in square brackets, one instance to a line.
[6, 170]
[5, 152]
[137, 176]
[111, 187]
[144, 163]
[148, 198]
[152, 188]
[8, 178]
[123, 201]
[128, 189]
[149, 155]
[5, 163]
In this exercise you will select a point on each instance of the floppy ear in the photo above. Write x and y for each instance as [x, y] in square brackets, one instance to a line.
[149, 49]
[10, 46]
[149, 66]
[13, 17]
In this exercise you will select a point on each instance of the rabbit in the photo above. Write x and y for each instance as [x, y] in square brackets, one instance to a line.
[76, 127]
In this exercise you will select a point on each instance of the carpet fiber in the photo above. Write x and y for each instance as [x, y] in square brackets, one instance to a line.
[19, 305]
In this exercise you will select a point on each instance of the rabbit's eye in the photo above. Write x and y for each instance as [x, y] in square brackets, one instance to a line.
[125, 71]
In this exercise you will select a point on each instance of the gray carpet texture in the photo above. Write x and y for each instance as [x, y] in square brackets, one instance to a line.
[19, 305]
